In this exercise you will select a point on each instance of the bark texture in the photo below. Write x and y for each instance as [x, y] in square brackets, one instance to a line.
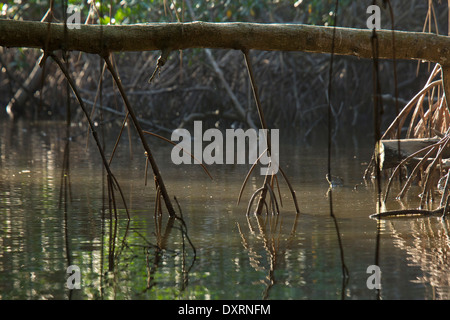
[239, 35]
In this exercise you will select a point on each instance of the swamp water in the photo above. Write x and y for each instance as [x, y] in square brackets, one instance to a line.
[47, 225]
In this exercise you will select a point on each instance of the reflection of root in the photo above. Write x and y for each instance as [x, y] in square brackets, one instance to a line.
[265, 246]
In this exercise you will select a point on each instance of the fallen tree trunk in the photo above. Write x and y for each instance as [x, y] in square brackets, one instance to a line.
[408, 213]
[100, 39]
[391, 155]
[103, 39]
[16, 105]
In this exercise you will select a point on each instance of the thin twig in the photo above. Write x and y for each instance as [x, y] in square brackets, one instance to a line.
[184, 150]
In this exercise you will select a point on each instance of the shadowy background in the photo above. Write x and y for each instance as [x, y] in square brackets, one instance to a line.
[293, 85]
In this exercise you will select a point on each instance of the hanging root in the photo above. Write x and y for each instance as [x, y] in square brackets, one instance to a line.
[425, 117]
[112, 181]
[262, 201]
[140, 132]
[266, 187]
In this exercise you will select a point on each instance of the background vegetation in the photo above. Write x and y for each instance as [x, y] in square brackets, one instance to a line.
[292, 85]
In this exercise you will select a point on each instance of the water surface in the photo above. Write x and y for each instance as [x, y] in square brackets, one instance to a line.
[54, 213]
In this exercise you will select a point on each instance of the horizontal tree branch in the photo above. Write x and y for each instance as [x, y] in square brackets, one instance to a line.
[236, 35]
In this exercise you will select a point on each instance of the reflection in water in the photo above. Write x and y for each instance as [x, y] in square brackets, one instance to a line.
[426, 241]
[345, 273]
[53, 214]
[64, 197]
[268, 233]
[162, 245]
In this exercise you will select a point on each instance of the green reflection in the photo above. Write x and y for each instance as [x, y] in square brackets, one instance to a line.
[48, 222]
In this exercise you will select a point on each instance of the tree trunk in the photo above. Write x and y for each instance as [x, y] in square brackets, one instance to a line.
[16, 105]
[391, 157]
[100, 39]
